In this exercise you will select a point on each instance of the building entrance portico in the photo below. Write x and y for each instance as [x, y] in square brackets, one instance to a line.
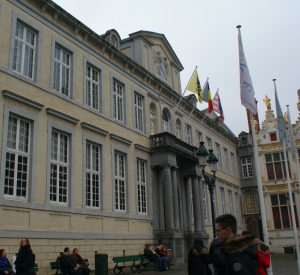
[177, 194]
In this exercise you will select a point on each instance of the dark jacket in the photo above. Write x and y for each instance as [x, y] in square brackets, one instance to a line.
[24, 260]
[241, 255]
[77, 259]
[198, 262]
[4, 265]
[66, 262]
[217, 253]
[150, 255]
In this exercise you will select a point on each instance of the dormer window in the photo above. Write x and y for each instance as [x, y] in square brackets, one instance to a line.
[244, 140]
[113, 41]
[273, 137]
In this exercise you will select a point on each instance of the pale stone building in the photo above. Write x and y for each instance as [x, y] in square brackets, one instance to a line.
[274, 181]
[92, 156]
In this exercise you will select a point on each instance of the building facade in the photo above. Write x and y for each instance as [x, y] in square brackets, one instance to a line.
[274, 181]
[94, 152]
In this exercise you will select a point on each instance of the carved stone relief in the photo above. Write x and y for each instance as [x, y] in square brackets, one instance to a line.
[162, 67]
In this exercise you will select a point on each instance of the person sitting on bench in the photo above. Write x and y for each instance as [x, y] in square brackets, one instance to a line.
[67, 265]
[78, 260]
[153, 257]
[160, 250]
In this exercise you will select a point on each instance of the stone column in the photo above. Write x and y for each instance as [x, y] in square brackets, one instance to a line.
[155, 199]
[184, 205]
[161, 201]
[169, 214]
[189, 214]
[175, 198]
[201, 203]
[196, 205]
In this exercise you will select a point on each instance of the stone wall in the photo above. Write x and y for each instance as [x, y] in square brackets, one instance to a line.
[47, 250]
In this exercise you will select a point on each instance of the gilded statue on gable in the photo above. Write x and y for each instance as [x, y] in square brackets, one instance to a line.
[267, 101]
[286, 119]
[256, 125]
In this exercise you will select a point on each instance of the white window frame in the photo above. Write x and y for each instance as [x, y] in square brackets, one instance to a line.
[222, 200]
[208, 143]
[244, 140]
[139, 110]
[226, 160]
[59, 164]
[218, 155]
[92, 97]
[117, 98]
[141, 184]
[230, 202]
[58, 75]
[188, 134]
[119, 181]
[36, 69]
[17, 152]
[199, 138]
[58, 44]
[165, 124]
[232, 157]
[247, 168]
[93, 172]
[22, 41]
[237, 207]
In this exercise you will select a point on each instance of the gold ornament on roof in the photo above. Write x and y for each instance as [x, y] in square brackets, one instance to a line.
[285, 119]
[267, 101]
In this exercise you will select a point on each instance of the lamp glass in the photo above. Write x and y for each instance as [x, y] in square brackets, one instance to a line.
[213, 166]
[202, 160]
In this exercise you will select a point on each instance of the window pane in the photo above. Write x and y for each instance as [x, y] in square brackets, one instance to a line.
[269, 158]
[276, 156]
[282, 199]
[274, 200]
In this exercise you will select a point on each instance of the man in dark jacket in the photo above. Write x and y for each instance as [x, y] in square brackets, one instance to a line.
[241, 254]
[217, 255]
[67, 265]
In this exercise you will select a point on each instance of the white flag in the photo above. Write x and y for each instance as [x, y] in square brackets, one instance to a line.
[280, 120]
[292, 138]
[246, 87]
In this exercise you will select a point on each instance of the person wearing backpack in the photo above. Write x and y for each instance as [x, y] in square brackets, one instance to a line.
[218, 257]
[24, 259]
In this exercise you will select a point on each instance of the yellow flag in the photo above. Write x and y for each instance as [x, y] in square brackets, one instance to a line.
[195, 87]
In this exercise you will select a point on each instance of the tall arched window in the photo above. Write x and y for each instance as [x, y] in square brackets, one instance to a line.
[251, 201]
[165, 121]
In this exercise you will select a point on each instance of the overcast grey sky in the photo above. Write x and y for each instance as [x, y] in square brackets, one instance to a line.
[203, 33]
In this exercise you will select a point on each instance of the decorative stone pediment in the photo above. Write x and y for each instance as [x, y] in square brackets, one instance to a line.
[162, 67]
[268, 125]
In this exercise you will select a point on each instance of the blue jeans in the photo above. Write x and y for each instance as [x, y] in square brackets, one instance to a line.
[161, 263]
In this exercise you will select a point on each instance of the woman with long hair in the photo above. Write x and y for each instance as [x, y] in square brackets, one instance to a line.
[24, 258]
[78, 260]
[198, 259]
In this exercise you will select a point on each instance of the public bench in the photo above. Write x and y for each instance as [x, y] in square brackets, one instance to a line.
[54, 266]
[35, 269]
[142, 265]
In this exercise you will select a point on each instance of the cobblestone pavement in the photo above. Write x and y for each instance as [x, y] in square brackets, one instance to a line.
[283, 264]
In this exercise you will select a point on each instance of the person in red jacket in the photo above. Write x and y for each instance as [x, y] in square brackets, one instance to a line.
[263, 262]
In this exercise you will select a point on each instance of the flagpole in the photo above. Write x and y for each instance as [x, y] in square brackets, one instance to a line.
[290, 134]
[292, 207]
[188, 119]
[183, 94]
[260, 190]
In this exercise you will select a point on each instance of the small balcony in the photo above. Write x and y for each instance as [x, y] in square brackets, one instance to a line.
[165, 140]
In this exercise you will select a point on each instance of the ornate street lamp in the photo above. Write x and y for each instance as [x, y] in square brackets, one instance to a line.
[210, 180]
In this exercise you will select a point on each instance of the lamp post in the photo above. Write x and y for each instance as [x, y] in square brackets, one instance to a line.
[210, 180]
